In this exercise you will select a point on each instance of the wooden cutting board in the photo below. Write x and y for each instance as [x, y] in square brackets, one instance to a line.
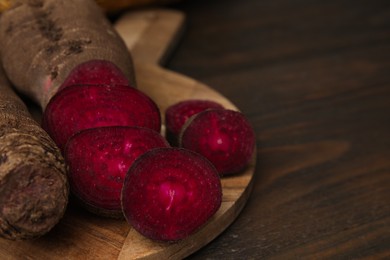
[149, 35]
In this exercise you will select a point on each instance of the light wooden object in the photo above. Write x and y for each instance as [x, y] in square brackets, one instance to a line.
[149, 35]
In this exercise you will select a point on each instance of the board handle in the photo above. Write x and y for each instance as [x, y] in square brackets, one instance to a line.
[151, 35]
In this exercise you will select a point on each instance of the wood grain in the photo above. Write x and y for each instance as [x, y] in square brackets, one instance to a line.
[82, 235]
[314, 79]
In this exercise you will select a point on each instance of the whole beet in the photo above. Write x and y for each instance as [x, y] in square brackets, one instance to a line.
[33, 184]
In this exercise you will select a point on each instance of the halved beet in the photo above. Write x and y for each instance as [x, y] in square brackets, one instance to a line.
[225, 137]
[177, 114]
[81, 107]
[95, 72]
[98, 160]
[169, 193]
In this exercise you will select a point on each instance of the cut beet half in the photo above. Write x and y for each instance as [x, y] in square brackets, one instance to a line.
[169, 193]
[98, 160]
[95, 72]
[81, 107]
[225, 137]
[177, 114]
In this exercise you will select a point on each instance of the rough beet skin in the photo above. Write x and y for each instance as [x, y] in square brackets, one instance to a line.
[81, 107]
[98, 160]
[223, 136]
[169, 193]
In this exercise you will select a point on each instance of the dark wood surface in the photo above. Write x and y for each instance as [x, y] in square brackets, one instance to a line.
[313, 77]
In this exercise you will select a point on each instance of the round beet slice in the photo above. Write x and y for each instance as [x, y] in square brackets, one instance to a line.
[80, 107]
[223, 136]
[95, 72]
[98, 160]
[169, 193]
[177, 114]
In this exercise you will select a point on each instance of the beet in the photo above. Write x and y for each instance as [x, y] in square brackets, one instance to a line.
[98, 160]
[177, 114]
[223, 136]
[169, 193]
[80, 107]
[95, 72]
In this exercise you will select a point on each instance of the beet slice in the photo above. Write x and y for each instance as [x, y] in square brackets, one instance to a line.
[80, 107]
[223, 136]
[98, 160]
[177, 114]
[95, 72]
[169, 193]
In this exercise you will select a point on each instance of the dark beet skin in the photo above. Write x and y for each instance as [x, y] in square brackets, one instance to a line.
[177, 114]
[169, 193]
[81, 107]
[225, 137]
[98, 160]
[42, 42]
[95, 72]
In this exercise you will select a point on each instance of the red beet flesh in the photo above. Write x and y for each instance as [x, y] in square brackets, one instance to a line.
[169, 193]
[95, 72]
[223, 136]
[98, 160]
[80, 107]
[177, 114]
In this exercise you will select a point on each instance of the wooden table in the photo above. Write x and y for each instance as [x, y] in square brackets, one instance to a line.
[313, 77]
